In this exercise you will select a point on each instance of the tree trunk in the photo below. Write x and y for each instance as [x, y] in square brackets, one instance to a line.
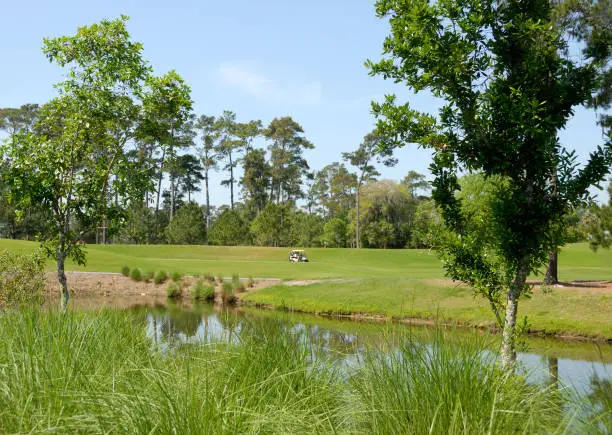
[61, 276]
[147, 217]
[357, 235]
[508, 352]
[159, 181]
[231, 181]
[172, 186]
[207, 204]
[552, 276]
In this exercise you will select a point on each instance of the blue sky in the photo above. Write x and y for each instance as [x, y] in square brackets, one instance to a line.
[261, 59]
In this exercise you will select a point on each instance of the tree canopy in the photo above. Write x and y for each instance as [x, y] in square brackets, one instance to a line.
[509, 84]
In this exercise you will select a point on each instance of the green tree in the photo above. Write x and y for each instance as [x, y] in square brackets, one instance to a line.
[14, 120]
[509, 83]
[246, 133]
[286, 158]
[307, 229]
[362, 160]
[380, 234]
[272, 227]
[167, 122]
[68, 162]
[428, 230]
[597, 224]
[415, 182]
[190, 174]
[209, 134]
[136, 229]
[334, 190]
[229, 229]
[335, 233]
[228, 148]
[142, 157]
[187, 227]
[255, 181]
[479, 195]
[389, 201]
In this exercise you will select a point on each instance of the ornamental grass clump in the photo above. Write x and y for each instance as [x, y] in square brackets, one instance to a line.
[160, 277]
[445, 386]
[250, 282]
[175, 290]
[176, 276]
[228, 289]
[237, 284]
[125, 271]
[136, 274]
[202, 291]
[100, 373]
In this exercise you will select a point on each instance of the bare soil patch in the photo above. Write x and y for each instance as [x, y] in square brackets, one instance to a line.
[115, 284]
[580, 286]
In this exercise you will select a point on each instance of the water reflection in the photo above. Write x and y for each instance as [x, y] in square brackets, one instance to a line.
[585, 367]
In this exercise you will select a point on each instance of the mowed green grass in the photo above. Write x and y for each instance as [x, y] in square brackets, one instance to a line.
[253, 261]
[576, 261]
[391, 283]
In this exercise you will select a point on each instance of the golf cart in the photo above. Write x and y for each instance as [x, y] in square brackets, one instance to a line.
[298, 256]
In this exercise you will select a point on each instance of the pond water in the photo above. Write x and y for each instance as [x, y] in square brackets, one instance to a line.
[580, 365]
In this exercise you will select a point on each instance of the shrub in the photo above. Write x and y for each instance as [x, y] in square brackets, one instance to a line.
[22, 279]
[250, 282]
[174, 290]
[202, 291]
[136, 274]
[160, 277]
[148, 276]
[125, 271]
[176, 276]
[237, 284]
[208, 277]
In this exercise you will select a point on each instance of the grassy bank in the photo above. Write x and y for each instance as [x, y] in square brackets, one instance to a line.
[557, 311]
[99, 373]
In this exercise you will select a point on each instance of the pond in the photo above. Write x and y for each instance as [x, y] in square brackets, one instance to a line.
[580, 365]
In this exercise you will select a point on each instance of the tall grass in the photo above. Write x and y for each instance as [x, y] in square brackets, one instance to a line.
[448, 387]
[99, 372]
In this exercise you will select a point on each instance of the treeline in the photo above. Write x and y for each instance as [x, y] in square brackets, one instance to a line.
[276, 201]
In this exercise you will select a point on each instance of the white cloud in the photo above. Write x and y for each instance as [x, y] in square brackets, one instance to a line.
[258, 85]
